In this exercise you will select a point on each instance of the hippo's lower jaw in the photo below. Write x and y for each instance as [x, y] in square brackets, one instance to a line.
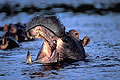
[56, 49]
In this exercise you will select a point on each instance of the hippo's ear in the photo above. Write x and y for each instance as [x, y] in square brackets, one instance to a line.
[85, 41]
[74, 33]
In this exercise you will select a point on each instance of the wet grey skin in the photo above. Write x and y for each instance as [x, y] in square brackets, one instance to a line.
[58, 45]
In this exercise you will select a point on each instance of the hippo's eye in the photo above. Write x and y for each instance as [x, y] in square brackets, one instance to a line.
[54, 41]
[76, 33]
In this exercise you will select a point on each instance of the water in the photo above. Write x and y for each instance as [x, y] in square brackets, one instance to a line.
[102, 63]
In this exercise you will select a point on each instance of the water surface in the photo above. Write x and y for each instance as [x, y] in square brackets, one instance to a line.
[102, 63]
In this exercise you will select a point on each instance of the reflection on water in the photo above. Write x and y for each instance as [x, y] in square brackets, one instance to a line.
[103, 61]
[43, 70]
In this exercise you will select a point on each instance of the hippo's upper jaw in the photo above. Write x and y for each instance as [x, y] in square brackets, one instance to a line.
[50, 22]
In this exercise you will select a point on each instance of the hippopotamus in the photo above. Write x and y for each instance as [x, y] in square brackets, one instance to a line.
[16, 31]
[8, 43]
[14, 34]
[58, 45]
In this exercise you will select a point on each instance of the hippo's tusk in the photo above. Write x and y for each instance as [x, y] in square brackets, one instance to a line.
[29, 60]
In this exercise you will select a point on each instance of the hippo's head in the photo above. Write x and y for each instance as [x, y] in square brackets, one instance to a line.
[8, 43]
[58, 45]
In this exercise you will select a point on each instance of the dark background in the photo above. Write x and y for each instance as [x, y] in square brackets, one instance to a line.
[13, 7]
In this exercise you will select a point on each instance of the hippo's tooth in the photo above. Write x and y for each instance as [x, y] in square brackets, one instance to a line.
[37, 35]
[29, 60]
